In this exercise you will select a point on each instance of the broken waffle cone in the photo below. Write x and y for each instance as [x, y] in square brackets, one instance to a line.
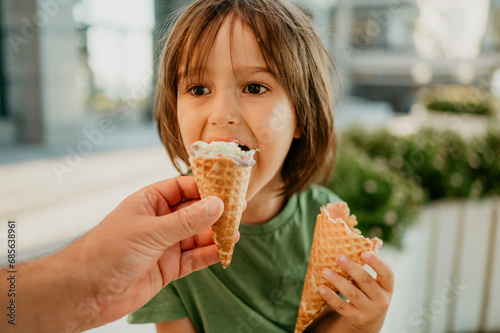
[332, 235]
[340, 210]
[227, 180]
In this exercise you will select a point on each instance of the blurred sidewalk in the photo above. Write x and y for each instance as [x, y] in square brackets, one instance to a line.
[122, 136]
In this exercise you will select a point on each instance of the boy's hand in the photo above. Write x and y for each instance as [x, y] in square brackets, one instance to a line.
[368, 297]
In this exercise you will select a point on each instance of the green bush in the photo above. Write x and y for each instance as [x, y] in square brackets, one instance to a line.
[385, 178]
[485, 162]
[456, 107]
[441, 162]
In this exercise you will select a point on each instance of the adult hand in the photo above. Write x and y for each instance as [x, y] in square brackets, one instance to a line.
[156, 235]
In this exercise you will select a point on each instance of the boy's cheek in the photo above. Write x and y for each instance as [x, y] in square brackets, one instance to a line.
[186, 135]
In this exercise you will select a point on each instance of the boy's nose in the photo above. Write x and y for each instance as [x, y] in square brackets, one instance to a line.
[224, 111]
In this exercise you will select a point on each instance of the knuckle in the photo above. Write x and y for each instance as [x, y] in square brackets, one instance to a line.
[360, 320]
[186, 220]
[332, 298]
[390, 282]
[366, 279]
[388, 273]
[340, 307]
[329, 298]
[355, 297]
[191, 267]
[391, 276]
[367, 319]
[386, 301]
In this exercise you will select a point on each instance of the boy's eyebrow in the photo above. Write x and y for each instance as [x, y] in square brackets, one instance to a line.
[252, 69]
[240, 69]
[191, 72]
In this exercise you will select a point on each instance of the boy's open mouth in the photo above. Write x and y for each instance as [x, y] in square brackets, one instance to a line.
[243, 147]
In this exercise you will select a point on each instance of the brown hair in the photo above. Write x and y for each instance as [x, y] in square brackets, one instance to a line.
[294, 55]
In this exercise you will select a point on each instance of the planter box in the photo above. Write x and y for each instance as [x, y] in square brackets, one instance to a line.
[468, 125]
[450, 272]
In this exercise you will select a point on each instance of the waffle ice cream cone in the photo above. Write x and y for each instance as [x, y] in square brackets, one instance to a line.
[219, 170]
[332, 235]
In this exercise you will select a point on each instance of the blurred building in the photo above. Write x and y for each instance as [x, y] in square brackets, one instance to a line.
[66, 63]
[386, 50]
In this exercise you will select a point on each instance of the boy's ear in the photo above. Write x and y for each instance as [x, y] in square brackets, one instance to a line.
[298, 133]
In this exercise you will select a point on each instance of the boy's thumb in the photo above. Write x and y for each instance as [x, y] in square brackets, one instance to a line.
[191, 220]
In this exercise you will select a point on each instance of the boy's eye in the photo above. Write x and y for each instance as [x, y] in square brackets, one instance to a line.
[255, 89]
[199, 90]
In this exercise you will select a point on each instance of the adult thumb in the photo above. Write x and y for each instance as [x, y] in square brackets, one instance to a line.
[191, 220]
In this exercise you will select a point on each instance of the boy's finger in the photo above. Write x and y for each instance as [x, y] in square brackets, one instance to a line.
[351, 292]
[363, 279]
[336, 302]
[385, 276]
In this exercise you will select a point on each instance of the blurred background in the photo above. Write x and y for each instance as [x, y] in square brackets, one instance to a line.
[418, 126]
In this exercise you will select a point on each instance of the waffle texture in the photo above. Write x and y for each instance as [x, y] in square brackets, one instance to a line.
[229, 181]
[332, 235]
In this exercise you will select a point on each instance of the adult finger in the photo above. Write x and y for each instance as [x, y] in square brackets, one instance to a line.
[183, 204]
[336, 302]
[199, 258]
[175, 190]
[363, 279]
[203, 238]
[189, 221]
[385, 276]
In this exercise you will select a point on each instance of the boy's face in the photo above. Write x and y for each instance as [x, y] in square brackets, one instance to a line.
[239, 100]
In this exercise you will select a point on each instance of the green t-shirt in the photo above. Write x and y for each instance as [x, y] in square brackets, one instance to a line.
[260, 291]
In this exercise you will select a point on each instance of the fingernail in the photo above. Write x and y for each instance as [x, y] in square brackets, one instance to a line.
[366, 255]
[212, 205]
[327, 273]
[322, 290]
[341, 258]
